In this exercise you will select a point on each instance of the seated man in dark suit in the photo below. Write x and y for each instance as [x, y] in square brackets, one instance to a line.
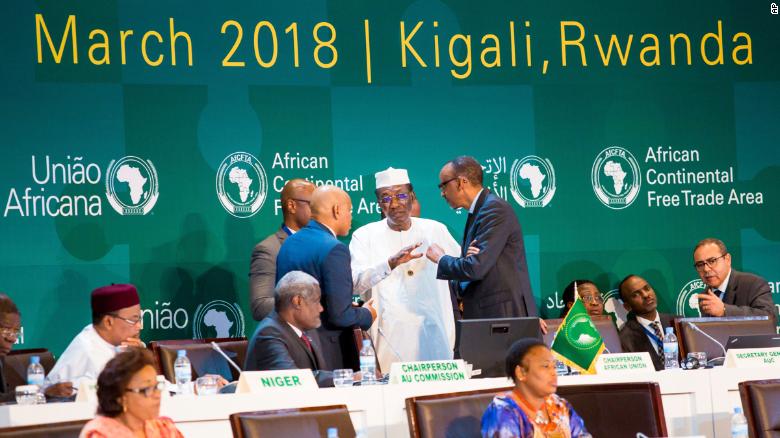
[729, 292]
[316, 251]
[644, 327]
[280, 341]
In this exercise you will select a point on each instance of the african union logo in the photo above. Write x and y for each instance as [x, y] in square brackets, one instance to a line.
[613, 305]
[218, 319]
[532, 181]
[687, 301]
[616, 178]
[582, 333]
[241, 184]
[131, 185]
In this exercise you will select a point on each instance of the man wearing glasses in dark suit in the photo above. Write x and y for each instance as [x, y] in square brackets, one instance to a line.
[729, 292]
[493, 283]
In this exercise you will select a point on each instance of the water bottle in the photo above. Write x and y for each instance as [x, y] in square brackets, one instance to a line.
[333, 432]
[367, 363]
[36, 376]
[183, 372]
[739, 426]
[670, 350]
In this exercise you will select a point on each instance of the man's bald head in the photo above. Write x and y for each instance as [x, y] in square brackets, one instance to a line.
[296, 197]
[332, 206]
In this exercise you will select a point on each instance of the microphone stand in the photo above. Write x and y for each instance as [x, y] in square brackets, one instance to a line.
[216, 348]
[706, 335]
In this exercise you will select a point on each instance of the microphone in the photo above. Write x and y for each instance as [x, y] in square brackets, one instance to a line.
[389, 344]
[216, 348]
[706, 335]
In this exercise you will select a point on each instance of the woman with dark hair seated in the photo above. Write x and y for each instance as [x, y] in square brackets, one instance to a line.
[531, 409]
[129, 400]
[589, 294]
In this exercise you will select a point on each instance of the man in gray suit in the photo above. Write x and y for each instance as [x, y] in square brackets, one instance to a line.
[280, 341]
[296, 211]
[729, 292]
[494, 282]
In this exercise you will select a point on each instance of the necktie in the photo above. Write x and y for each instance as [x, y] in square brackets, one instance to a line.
[657, 330]
[306, 341]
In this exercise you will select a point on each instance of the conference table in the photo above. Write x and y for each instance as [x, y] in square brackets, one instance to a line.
[696, 403]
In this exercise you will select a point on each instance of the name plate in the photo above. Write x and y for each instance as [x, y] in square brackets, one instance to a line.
[429, 371]
[753, 358]
[255, 382]
[624, 363]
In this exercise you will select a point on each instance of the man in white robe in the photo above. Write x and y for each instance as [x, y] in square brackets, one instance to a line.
[415, 311]
[116, 321]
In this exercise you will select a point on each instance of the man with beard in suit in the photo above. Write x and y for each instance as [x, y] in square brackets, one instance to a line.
[645, 326]
[296, 211]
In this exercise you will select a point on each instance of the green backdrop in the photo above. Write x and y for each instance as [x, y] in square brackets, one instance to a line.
[119, 165]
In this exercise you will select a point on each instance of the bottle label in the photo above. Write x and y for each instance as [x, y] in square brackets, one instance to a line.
[36, 379]
[739, 431]
[670, 347]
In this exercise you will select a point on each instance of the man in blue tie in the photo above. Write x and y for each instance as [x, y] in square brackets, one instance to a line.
[316, 251]
[729, 292]
[492, 283]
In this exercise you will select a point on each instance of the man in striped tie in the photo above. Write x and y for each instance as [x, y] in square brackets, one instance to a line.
[644, 326]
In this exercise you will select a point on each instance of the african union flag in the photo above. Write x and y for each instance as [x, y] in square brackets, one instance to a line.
[577, 343]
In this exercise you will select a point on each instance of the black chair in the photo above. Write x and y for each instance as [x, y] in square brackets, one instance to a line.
[68, 429]
[760, 402]
[453, 415]
[459, 414]
[311, 422]
[17, 361]
[203, 358]
[618, 409]
[720, 329]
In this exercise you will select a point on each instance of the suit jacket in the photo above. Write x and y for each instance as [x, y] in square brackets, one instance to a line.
[315, 251]
[633, 338]
[749, 295]
[496, 279]
[275, 346]
[6, 394]
[262, 274]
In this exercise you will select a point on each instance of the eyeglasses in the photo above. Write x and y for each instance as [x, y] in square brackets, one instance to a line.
[133, 321]
[444, 183]
[147, 391]
[710, 262]
[592, 299]
[402, 198]
[10, 333]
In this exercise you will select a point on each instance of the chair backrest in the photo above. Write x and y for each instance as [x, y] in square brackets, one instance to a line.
[456, 414]
[618, 409]
[311, 422]
[359, 335]
[720, 329]
[760, 399]
[203, 358]
[603, 324]
[613, 409]
[68, 429]
[16, 363]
